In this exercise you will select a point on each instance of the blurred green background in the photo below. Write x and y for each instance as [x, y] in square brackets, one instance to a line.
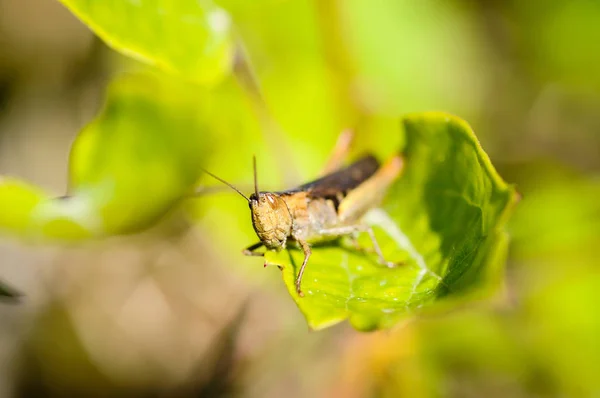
[177, 311]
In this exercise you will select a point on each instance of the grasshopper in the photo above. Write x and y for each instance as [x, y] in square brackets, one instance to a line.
[322, 210]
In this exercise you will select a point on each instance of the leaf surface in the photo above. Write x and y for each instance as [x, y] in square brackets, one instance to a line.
[443, 220]
[187, 37]
[128, 167]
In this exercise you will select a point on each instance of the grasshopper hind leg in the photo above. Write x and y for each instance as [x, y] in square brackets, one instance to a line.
[377, 249]
[351, 230]
[307, 253]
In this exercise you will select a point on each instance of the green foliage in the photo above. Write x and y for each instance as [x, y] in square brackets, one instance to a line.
[546, 345]
[18, 201]
[142, 154]
[190, 38]
[524, 74]
[413, 72]
[444, 219]
[127, 168]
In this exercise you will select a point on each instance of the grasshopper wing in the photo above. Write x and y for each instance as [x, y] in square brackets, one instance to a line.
[336, 185]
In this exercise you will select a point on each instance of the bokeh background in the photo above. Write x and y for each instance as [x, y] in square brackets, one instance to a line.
[176, 310]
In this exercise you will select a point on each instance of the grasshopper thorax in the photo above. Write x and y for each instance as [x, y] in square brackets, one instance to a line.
[271, 219]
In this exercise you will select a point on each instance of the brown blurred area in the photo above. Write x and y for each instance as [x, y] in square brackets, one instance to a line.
[131, 316]
[137, 316]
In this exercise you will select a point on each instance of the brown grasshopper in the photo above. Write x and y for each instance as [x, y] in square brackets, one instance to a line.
[325, 209]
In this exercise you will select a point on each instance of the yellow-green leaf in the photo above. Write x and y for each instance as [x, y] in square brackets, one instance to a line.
[443, 219]
[187, 37]
[128, 167]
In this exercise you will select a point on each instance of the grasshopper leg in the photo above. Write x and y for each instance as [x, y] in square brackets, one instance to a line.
[307, 253]
[353, 238]
[250, 250]
[382, 259]
[349, 230]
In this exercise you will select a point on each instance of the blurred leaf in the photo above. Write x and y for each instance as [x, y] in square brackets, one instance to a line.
[556, 35]
[565, 310]
[187, 37]
[17, 201]
[127, 168]
[485, 352]
[443, 218]
[396, 82]
[558, 221]
[142, 154]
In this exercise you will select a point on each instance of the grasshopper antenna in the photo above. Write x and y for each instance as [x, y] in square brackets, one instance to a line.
[226, 183]
[255, 178]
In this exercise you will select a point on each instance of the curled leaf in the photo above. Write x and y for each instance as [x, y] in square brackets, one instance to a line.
[443, 220]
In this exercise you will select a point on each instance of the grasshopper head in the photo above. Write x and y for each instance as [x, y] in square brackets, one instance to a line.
[271, 219]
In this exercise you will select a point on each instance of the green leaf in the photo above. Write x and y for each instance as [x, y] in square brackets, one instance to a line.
[188, 37]
[17, 201]
[128, 167]
[142, 154]
[443, 219]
